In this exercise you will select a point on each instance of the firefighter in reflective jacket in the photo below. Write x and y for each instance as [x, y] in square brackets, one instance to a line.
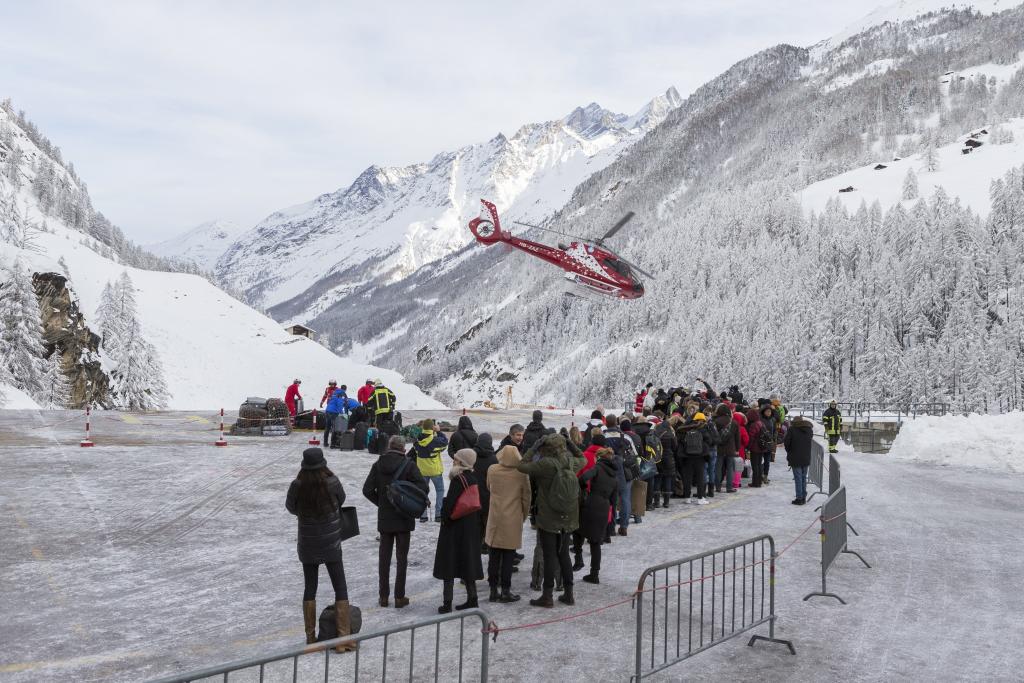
[381, 403]
[833, 421]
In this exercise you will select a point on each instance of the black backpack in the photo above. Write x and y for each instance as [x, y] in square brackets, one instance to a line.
[693, 443]
[652, 447]
[765, 439]
[405, 496]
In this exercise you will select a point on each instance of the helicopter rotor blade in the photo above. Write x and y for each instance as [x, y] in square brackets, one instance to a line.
[618, 226]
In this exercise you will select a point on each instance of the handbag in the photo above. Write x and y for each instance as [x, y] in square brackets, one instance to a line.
[737, 464]
[468, 501]
[349, 522]
[648, 469]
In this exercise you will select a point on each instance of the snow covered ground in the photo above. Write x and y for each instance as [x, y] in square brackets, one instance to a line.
[156, 553]
[993, 442]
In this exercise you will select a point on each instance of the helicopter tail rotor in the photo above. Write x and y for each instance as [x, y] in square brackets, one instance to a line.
[487, 226]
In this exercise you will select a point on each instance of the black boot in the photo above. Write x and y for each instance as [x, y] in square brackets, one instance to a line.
[543, 601]
[507, 595]
[578, 562]
[445, 608]
[566, 597]
[494, 594]
[664, 500]
[592, 577]
[471, 599]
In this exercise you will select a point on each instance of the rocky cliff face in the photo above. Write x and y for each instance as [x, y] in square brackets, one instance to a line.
[65, 332]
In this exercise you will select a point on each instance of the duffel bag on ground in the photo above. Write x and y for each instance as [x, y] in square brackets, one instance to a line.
[329, 625]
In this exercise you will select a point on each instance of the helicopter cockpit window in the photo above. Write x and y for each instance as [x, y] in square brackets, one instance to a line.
[620, 267]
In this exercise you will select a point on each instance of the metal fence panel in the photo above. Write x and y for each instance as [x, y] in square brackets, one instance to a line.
[833, 539]
[834, 475]
[304, 662]
[815, 472]
[702, 600]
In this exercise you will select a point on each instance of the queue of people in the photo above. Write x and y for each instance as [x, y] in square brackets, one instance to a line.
[576, 488]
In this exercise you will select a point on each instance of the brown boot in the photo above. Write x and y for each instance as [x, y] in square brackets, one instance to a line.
[342, 619]
[309, 618]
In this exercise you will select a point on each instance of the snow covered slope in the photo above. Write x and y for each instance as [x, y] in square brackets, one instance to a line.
[391, 221]
[201, 246]
[907, 10]
[12, 398]
[215, 350]
[966, 176]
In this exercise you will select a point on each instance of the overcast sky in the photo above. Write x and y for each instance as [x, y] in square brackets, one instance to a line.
[175, 113]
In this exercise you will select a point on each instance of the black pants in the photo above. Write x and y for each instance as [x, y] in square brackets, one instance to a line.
[328, 425]
[448, 589]
[400, 541]
[693, 477]
[756, 461]
[833, 441]
[499, 567]
[595, 550]
[336, 570]
[556, 556]
[767, 462]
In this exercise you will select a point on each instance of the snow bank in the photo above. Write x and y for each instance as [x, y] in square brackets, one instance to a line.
[15, 399]
[994, 442]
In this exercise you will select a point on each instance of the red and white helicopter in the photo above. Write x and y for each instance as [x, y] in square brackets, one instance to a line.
[587, 263]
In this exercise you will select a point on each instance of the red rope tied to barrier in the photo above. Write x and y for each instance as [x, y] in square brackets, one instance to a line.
[493, 629]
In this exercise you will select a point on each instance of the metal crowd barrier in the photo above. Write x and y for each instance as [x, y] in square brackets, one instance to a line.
[833, 539]
[815, 472]
[835, 480]
[422, 659]
[703, 600]
[864, 411]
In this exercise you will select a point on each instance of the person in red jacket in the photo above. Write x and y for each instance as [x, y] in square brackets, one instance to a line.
[641, 395]
[741, 420]
[365, 392]
[328, 392]
[291, 395]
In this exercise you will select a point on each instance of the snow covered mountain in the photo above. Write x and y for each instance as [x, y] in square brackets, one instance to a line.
[392, 221]
[200, 246]
[215, 351]
[770, 272]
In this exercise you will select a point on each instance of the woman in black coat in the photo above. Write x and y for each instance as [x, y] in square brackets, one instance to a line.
[602, 484]
[395, 527]
[458, 542]
[316, 497]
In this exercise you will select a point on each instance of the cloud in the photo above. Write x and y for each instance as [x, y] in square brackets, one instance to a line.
[177, 112]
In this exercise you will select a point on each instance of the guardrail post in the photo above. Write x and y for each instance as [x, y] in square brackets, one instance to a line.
[771, 607]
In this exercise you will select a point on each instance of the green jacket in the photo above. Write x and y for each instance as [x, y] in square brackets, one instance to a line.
[553, 456]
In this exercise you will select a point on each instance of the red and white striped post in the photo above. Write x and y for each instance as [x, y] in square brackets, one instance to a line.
[314, 440]
[87, 441]
[221, 441]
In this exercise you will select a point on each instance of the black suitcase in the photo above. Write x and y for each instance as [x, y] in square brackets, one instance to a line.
[345, 441]
[381, 445]
[360, 436]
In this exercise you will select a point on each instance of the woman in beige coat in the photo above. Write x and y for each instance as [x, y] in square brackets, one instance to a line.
[509, 508]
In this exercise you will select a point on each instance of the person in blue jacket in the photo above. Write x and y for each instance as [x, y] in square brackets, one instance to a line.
[336, 405]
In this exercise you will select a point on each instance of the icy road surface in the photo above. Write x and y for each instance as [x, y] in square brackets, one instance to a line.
[155, 553]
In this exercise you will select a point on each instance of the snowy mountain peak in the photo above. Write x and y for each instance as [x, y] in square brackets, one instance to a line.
[593, 121]
[201, 245]
[655, 111]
